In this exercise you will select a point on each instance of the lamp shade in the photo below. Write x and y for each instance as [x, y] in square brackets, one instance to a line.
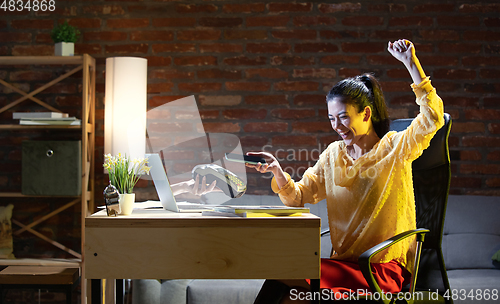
[125, 106]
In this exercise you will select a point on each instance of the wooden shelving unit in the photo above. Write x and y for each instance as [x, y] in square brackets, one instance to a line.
[87, 65]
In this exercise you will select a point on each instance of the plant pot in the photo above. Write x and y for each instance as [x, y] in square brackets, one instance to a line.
[127, 203]
[64, 49]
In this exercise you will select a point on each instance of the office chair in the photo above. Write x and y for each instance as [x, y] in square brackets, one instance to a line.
[431, 183]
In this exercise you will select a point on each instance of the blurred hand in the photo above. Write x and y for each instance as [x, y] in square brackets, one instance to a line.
[197, 188]
[271, 165]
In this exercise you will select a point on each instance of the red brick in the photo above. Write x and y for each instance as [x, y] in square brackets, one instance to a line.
[450, 47]
[269, 47]
[248, 86]
[221, 127]
[293, 114]
[310, 100]
[391, 35]
[195, 60]
[170, 74]
[460, 101]
[15, 37]
[494, 155]
[245, 34]
[221, 48]
[220, 21]
[479, 169]
[104, 10]
[349, 7]
[465, 182]
[266, 100]
[288, 7]
[200, 87]
[174, 22]
[390, 7]
[470, 155]
[292, 60]
[467, 127]
[492, 21]
[454, 74]
[481, 36]
[362, 20]
[294, 141]
[316, 47]
[196, 8]
[151, 36]
[439, 35]
[273, 73]
[493, 182]
[481, 141]
[244, 114]
[434, 8]
[244, 8]
[480, 8]
[127, 23]
[174, 48]
[32, 24]
[295, 34]
[340, 59]
[141, 48]
[159, 61]
[483, 88]
[105, 36]
[413, 21]
[242, 60]
[314, 73]
[494, 128]
[219, 74]
[347, 72]
[32, 50]
[296, 86]
[93, 49]
[489, 73]
[395, 86]
[491, 101]
[192, 35]
[253, 141]
[314, 20]
[266, 127]
[437, 60]
[480, 61]
[160, 87]
[469, 21]
[312, 127]
[364, 47]
[222, 100]
[271, 21]
[209, 114]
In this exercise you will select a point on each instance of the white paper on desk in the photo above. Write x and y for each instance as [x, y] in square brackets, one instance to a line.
[148, 205]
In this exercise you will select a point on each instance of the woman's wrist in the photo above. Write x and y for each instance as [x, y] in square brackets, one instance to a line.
[415, 69]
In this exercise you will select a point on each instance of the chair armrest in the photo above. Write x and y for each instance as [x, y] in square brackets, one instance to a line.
[365, 257]
[325, 232]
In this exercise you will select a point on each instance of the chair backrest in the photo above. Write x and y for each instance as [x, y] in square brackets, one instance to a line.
[431, 184]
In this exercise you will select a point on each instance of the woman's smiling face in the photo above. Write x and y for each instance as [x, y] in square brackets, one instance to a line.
[346, 120]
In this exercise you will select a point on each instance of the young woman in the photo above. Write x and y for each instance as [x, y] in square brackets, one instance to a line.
[366, 179]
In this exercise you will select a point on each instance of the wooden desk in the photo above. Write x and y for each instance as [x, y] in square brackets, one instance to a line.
[154, 244]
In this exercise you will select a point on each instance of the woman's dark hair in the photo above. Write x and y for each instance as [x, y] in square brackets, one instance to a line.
[361, 91]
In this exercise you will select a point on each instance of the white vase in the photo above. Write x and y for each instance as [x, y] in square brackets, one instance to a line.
[64, 49]
[127, 203]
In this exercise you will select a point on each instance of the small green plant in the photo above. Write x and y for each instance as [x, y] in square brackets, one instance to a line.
[65, 33]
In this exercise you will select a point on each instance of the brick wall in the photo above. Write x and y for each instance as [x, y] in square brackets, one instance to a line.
[260, 70]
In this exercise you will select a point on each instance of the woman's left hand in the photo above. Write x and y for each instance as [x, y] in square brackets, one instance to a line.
[403, 50]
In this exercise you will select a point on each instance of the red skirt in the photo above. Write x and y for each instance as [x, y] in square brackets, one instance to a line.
[345, 277]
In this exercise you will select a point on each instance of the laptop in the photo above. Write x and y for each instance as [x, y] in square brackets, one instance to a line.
[164, 191]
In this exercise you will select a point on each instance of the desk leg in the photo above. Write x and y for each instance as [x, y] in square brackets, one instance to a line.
[96, 291]
[315, 290]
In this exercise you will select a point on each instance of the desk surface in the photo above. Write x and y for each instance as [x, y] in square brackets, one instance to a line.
[154, 244]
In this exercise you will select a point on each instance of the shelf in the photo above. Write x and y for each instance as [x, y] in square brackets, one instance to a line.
[56, 60]
[27, 127]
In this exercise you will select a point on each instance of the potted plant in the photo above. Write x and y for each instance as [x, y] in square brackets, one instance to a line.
[64, 37]
[124, 174]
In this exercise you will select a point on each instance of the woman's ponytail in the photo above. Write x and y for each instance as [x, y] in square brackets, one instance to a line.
[380, 116]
